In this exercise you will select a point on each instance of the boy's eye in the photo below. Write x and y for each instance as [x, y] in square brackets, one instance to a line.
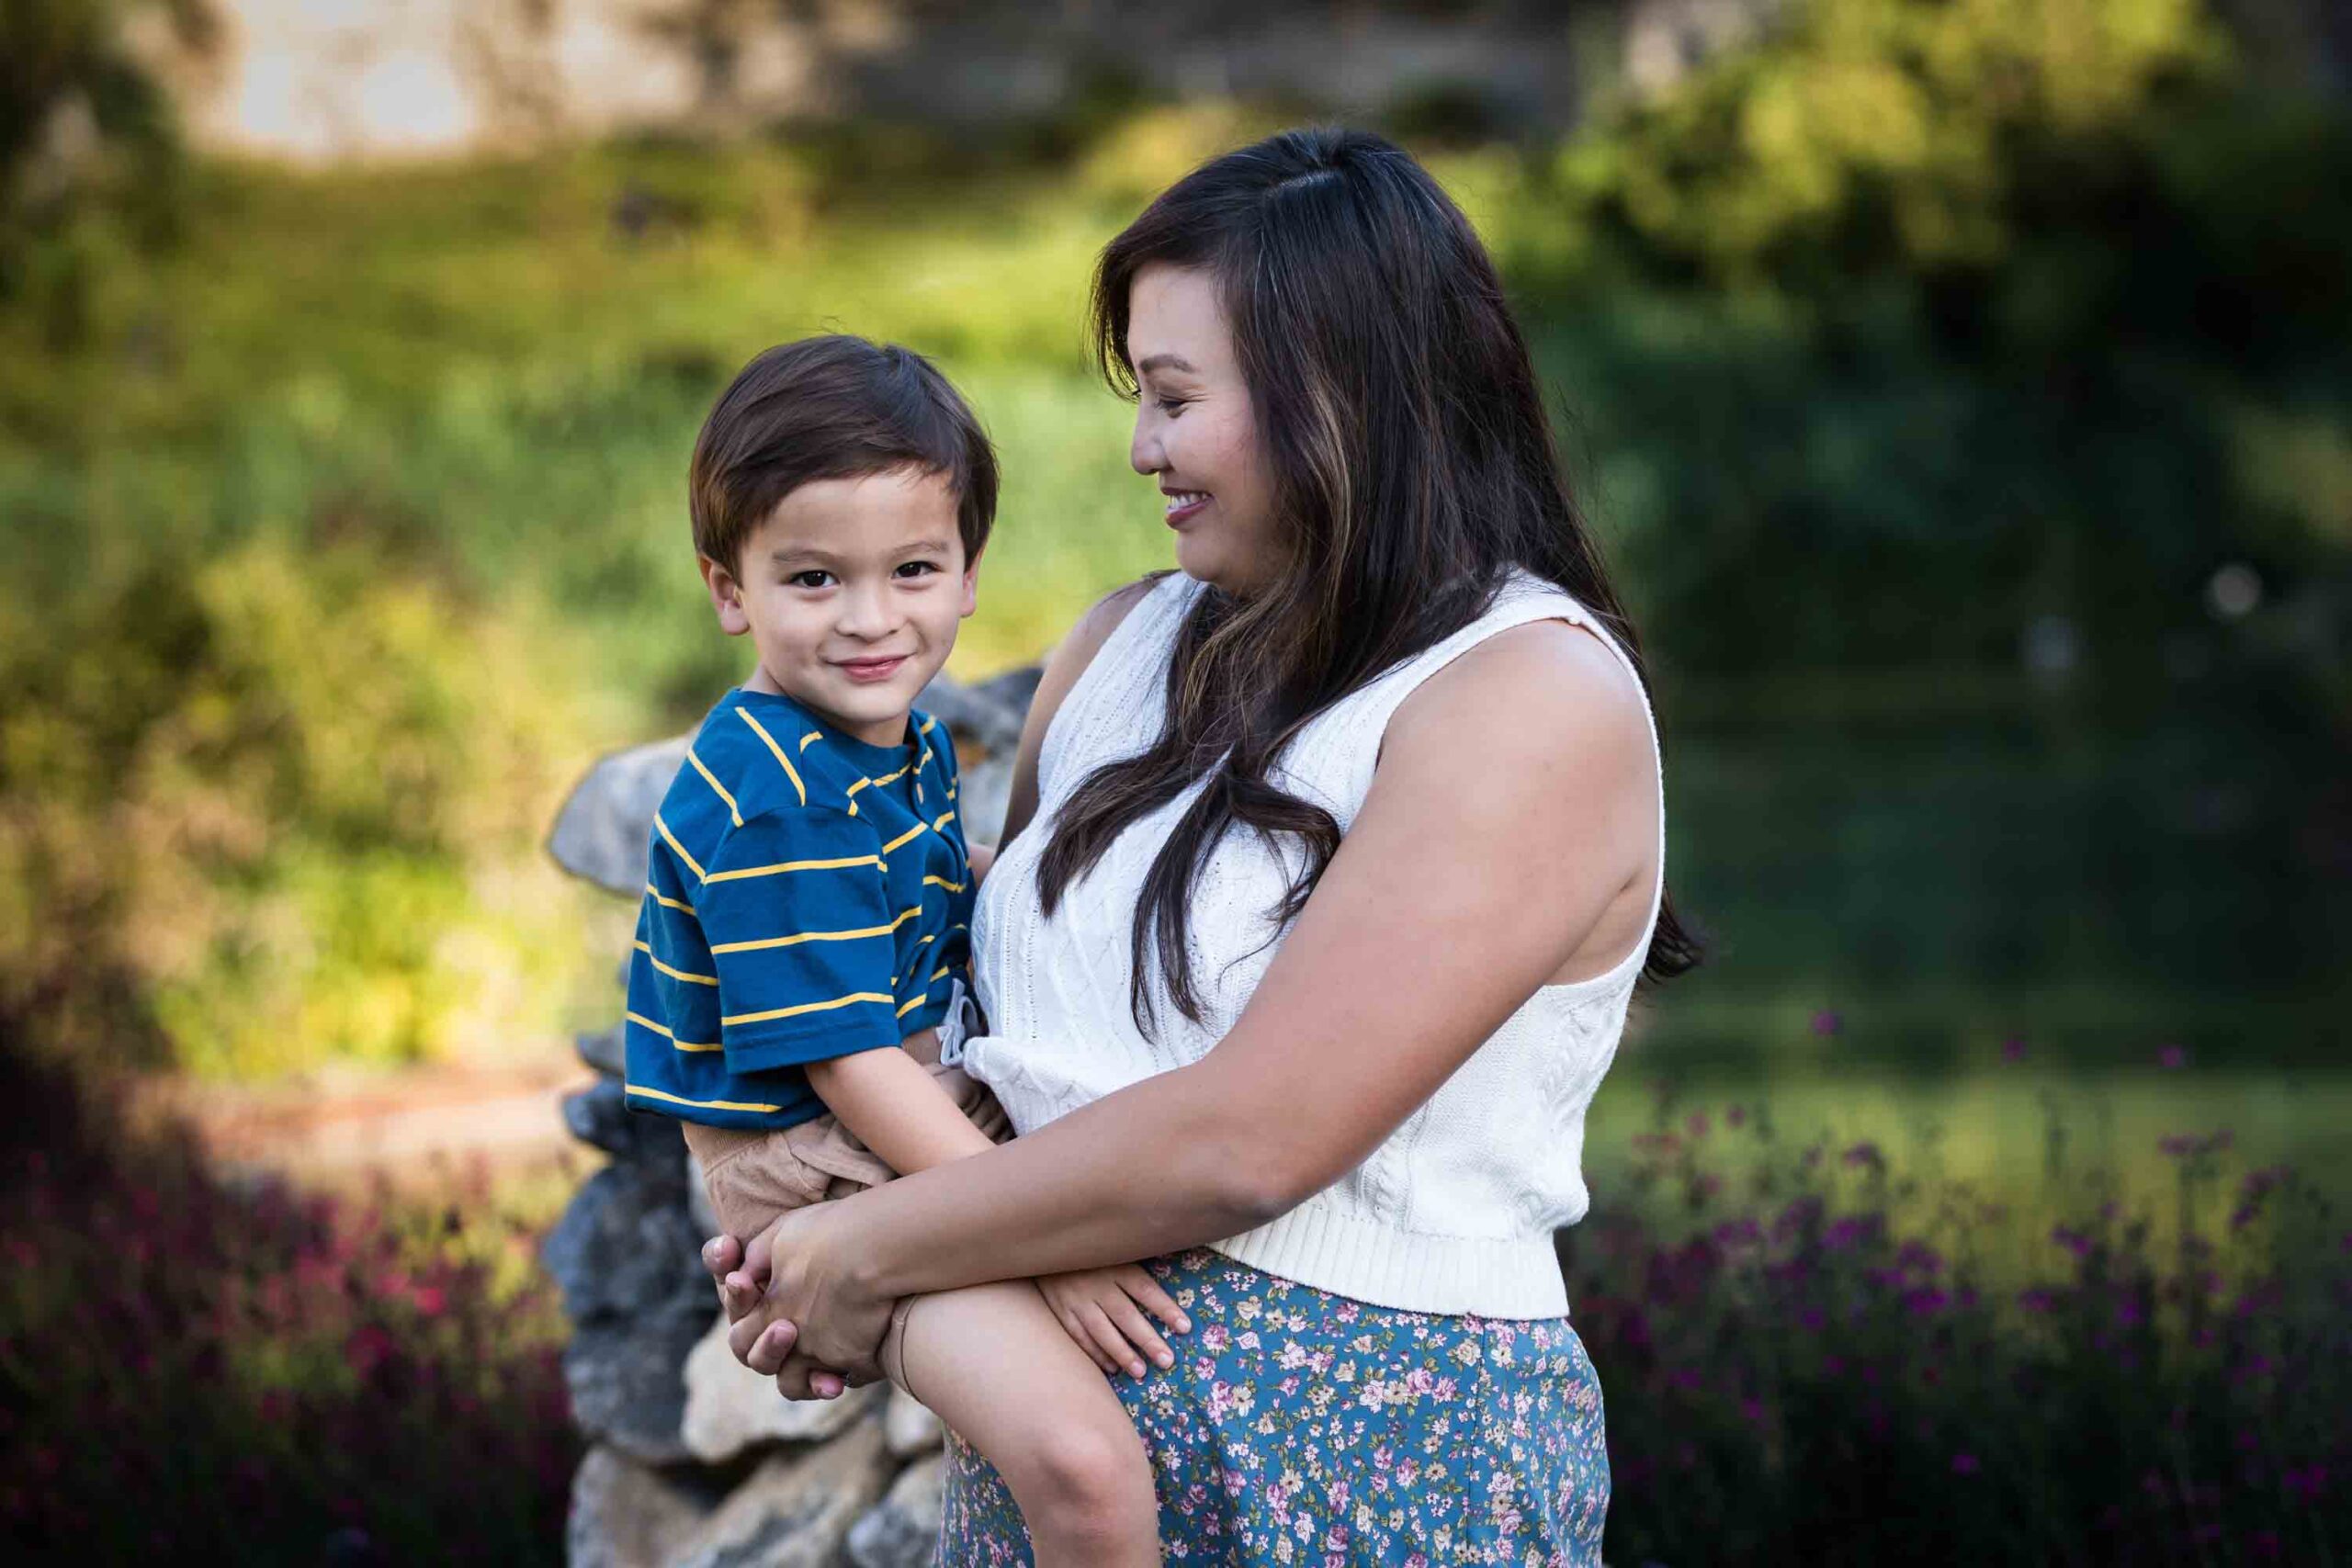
[813, 578]
[916, 568]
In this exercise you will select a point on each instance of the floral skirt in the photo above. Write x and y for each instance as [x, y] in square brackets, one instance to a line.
[1298, 1426]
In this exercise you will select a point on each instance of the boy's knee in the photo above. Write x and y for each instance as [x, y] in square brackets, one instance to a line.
[1088, 1482]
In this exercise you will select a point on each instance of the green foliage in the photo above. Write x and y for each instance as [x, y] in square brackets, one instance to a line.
[270, 807]
[2033, 299]
[1911, 327]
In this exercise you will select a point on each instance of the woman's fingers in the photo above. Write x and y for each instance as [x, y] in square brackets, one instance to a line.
[760, 1342]
[1138, 1283]
[800, 1378]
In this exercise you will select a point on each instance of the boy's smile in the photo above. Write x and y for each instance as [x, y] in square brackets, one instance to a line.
[851, 591]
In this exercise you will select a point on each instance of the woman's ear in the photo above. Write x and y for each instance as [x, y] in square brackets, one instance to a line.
[726, 597]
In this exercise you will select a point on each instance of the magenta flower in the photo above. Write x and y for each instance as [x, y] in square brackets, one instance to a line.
[2013, 1049]
[2172, 1058]
[1965, 1464]
[1828, 1022]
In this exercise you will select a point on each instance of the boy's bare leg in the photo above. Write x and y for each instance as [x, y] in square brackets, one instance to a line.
[991, 1362]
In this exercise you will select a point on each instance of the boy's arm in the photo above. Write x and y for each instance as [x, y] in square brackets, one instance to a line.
[896, 1107]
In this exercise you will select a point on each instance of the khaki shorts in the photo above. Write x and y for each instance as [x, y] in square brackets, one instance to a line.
[751, 1177]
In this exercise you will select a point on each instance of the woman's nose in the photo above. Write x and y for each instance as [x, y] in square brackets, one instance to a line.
[1143, 454]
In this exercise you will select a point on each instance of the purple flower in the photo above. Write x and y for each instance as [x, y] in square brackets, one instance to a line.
[2071, 1240]
[1965, 1464]
[1828, 1022]
[2172, 1058]
[2013, 1049]
[1866, 1153]
[1735, 1116]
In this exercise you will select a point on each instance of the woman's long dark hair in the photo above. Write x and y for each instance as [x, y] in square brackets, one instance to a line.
[1412, 467]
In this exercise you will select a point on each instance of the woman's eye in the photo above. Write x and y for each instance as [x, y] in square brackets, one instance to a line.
[810, 578]
[1171, 406]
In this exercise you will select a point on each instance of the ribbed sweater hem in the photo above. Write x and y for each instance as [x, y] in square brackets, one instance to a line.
[1318, 1245]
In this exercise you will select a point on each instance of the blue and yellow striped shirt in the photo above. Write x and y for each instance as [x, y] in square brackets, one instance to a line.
[807, 897]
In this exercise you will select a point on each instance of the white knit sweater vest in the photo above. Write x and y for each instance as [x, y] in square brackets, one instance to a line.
[1454, 1213]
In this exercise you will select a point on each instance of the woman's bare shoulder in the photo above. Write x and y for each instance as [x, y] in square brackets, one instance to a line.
[1546, 692]
[1067, 662]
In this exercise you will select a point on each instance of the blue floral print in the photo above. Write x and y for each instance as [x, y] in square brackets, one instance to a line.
[1303, 1429]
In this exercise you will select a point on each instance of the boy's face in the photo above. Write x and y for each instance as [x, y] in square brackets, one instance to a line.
[851, 592]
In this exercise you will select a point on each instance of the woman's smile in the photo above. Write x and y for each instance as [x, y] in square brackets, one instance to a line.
[1183, 504]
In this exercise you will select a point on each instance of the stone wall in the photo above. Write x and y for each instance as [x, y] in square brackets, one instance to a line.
[375, 78]
[693, 1460]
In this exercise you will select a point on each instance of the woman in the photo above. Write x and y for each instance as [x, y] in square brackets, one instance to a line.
[1333, 862]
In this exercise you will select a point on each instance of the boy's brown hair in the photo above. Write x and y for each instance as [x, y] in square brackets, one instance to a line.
[832, 407]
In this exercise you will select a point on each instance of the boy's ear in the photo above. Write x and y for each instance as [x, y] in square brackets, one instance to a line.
[972, 582]
[726, 597]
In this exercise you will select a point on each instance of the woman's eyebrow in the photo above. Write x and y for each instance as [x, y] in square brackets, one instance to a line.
[1150, 362]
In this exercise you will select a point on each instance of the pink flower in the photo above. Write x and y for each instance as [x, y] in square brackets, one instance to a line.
[2172, 1058]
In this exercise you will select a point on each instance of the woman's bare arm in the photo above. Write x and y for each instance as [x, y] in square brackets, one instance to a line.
[1513, 810]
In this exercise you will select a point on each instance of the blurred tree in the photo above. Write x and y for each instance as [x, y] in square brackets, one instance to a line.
[2043, 300]
[89, 146]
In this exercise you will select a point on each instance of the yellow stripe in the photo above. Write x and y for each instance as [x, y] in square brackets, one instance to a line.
[855, 787]
[783, 866]
[938, 973]
[910, 974]
[942, 822]
[680, 850]
[666, 901]
[676, 974]
[732, 809]
[798, 938]
[928, 726]
[812, 735]
[783, 761]
[943, 882]
[911, 1006]
[681, 1044]
[889, 778]
[903, 838]
[805, 1006]
[701, 1104]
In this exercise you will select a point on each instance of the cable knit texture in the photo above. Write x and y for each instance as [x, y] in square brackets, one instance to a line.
[1454, 1213]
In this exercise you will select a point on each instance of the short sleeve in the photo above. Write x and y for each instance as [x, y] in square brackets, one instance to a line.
[794, 906]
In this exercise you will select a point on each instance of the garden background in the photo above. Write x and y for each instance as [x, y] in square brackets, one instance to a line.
[1962, 389]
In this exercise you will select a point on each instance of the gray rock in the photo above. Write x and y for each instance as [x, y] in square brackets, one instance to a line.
[986, 790]
[627, 1261]
[627, 1514]
[698, 1209]
[601, 832]
[600, 1115]
[794, 1509]
[909, 1427]
[731, 1407]
[986, 722]
[601, 1050]
[902, 1530]
[1014, 690]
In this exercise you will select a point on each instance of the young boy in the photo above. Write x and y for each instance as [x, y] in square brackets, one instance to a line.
[797, 997]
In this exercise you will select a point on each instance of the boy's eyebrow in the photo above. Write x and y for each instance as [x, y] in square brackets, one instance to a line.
[811, 552]
[1152, 362]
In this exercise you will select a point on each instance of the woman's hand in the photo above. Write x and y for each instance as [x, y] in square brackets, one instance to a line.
[1102, 1310]
[795, 1314]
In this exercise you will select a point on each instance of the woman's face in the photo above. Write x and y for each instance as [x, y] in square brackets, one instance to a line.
[1196, 432]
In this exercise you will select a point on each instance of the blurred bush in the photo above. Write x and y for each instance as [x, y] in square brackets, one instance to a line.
[265, 807]
[1922, 321]
[194, 1369]
[1816, 1354]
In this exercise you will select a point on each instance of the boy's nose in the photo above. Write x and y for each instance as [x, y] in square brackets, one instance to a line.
[867, 610]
